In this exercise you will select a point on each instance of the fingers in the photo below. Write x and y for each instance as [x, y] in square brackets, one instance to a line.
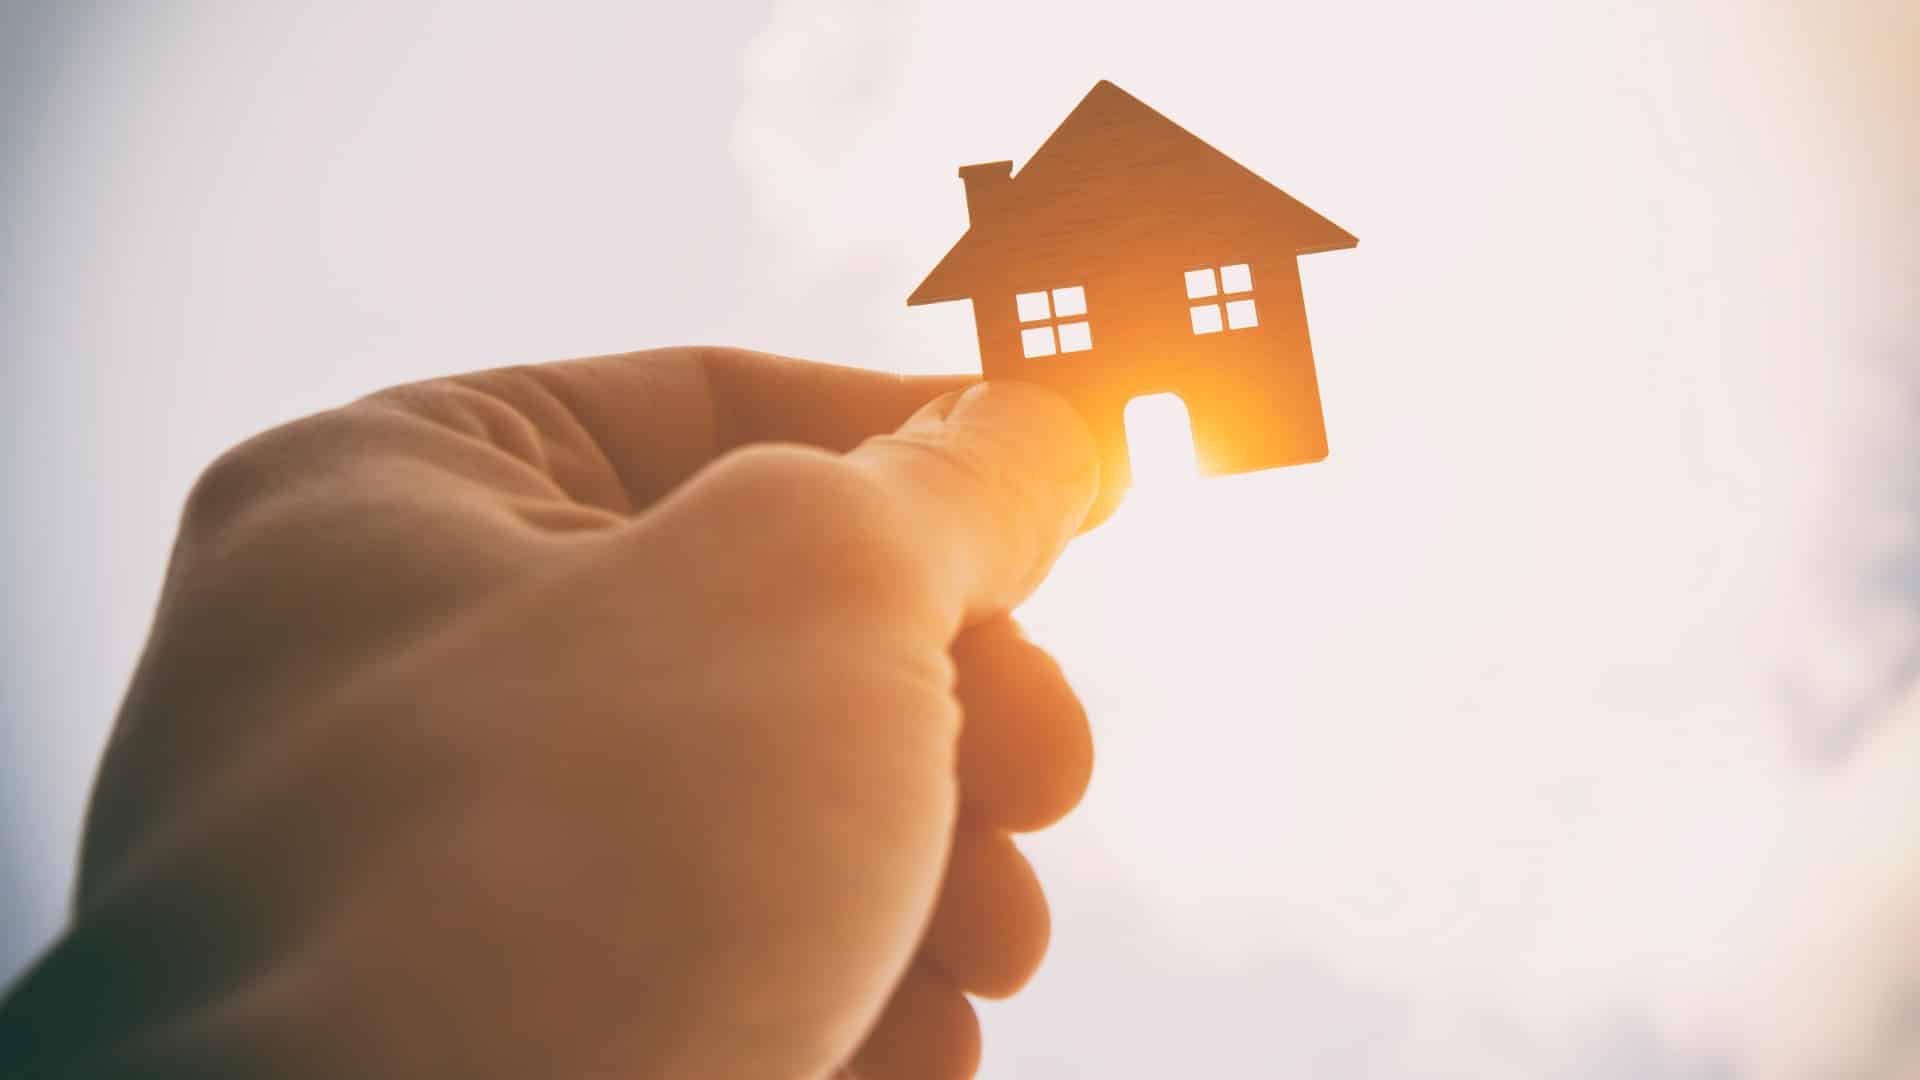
[991, 483]
[1025, 751]
[759, 397]
[927, 1032]
[990, 929]
[619, 432]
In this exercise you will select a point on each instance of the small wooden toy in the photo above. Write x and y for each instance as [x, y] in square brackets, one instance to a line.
[1130, 258]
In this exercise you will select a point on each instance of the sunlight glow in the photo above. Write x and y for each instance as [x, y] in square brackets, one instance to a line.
[1160, 441]
[1552, 727]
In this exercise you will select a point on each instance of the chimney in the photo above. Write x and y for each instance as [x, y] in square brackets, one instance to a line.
[987, 186]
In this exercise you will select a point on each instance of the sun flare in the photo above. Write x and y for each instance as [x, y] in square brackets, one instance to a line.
[1160, 441]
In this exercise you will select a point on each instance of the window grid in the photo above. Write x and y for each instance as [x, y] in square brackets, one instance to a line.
[1048, 309]
[1229, 292]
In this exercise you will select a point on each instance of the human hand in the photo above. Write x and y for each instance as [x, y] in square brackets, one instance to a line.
[621, 717]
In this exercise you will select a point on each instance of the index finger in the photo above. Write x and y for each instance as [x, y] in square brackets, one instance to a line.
[621, 431]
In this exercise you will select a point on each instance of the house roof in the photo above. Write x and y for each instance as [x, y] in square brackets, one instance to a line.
[1114, 159]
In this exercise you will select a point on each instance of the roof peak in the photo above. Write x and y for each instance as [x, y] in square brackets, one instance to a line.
[1112, 153]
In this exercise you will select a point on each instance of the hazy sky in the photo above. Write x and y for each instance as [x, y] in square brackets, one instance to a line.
[1565, 723]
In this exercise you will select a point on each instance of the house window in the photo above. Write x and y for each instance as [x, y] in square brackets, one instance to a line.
[1231, 284]
[1050, 310]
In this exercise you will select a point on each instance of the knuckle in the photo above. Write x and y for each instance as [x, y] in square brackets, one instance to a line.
[826, 527]
[813, 497]
[250, 474]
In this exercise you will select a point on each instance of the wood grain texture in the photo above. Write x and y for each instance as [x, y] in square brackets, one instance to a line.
[1123, 202]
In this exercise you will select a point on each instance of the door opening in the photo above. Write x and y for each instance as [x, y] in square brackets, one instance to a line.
[1160, 441]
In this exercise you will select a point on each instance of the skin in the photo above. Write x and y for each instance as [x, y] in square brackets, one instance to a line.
[643, 716]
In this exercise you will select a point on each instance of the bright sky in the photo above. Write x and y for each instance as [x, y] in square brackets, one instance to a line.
[1565, 723]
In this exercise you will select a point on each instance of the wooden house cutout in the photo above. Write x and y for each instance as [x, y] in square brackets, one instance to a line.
[1130, 258]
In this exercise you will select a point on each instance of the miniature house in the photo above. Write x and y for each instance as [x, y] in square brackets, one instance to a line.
[1130, 258]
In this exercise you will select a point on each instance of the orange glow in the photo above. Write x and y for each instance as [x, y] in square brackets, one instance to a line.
[1160, 441]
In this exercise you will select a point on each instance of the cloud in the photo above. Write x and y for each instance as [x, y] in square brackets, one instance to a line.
[1564, 722]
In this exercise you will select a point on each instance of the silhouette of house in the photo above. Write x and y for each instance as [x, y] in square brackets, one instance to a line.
[1128, 258]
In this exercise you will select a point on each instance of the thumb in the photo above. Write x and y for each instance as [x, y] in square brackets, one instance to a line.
[1000, 475]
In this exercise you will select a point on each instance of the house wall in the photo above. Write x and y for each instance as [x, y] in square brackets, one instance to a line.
[1252, 394]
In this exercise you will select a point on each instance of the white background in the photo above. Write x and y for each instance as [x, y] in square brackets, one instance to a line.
[1565, 723]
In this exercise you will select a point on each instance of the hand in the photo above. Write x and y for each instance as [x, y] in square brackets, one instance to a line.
[621, 717]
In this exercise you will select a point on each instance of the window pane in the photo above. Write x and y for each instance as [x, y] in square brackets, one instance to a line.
[1075, 337]
[1033, 306]
[1206, 319]
[1037, 341]
[1071, 300]
[1236, 278]
[1240, 315]
[1200, 284]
